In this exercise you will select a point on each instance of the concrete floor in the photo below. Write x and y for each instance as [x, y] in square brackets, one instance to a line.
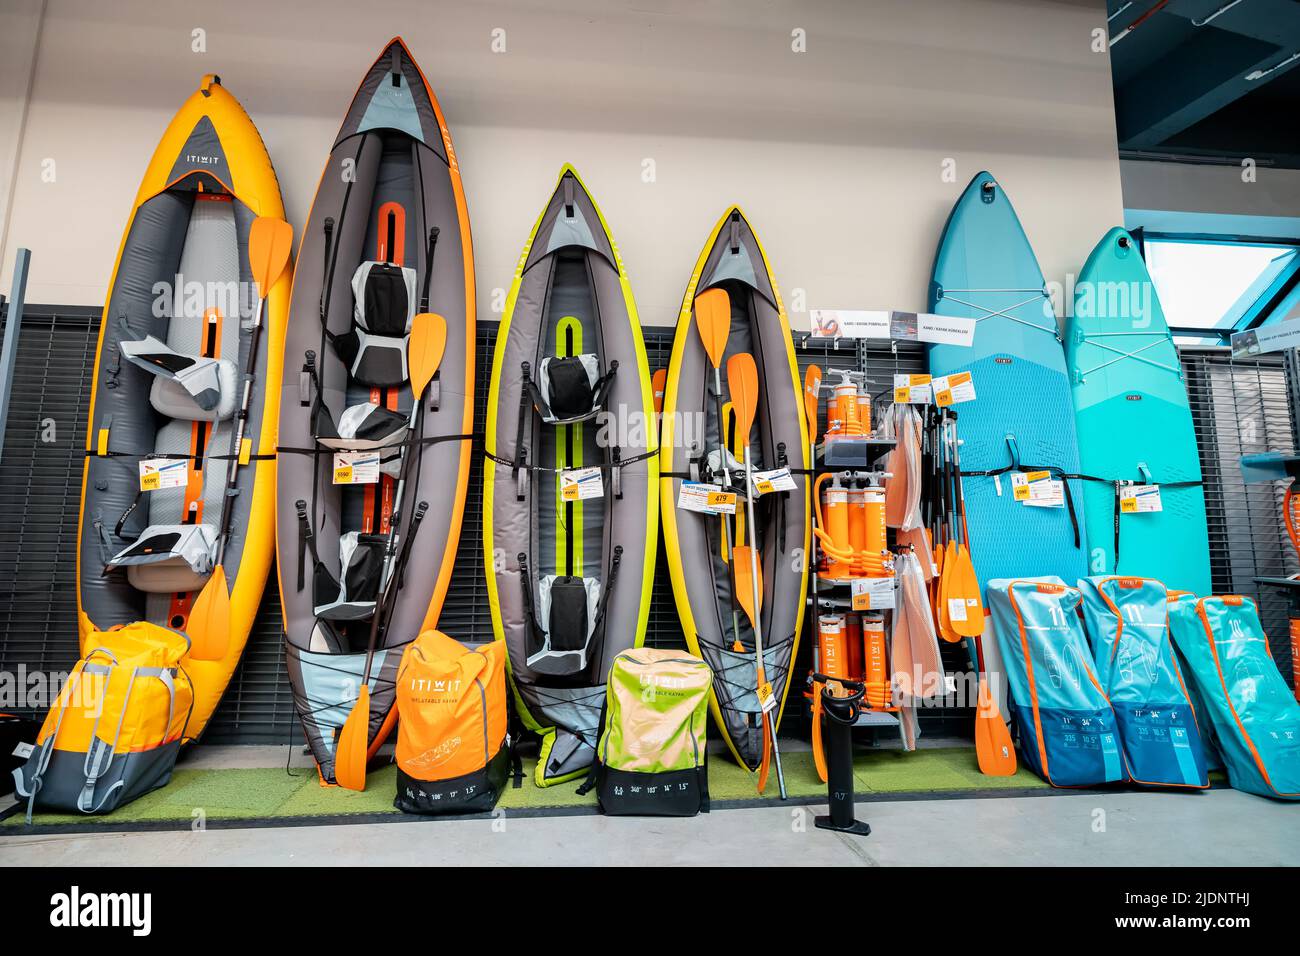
[1219, 828]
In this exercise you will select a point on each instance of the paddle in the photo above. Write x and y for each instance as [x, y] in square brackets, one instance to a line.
[658, 384]
[269, 243]
[713, 322]
[425, 349]
[742, 380]
[812, 383]
[964, 585]
[993, 746]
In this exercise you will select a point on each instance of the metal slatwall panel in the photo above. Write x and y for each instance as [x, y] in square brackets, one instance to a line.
[1239, 407]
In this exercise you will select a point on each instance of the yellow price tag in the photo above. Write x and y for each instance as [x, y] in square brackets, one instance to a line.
[569, 493]
[1128, 505]
[721, 499]
[1020, 492]
[901, 395]
[343, 475]
[1037, 475]
[862, 601]
[943, 398]
[151, 482]
[765, 690]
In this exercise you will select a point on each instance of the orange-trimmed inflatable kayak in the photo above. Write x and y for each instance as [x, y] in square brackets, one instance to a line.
[173, 346]
[388, 237]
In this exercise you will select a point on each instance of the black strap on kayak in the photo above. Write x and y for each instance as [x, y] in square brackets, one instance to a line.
[411, 531]
[521, 452]
[597, 629]
[395, 446]
[306, 541]
[590, 781]
[604, 467]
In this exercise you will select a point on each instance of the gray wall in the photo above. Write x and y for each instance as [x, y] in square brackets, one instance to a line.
[836, 153]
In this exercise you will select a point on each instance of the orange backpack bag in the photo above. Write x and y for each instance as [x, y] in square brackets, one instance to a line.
[453, 748]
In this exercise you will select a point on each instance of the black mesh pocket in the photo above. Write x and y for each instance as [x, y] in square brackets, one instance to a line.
[568, 624]
[385, 306]
[569, 386]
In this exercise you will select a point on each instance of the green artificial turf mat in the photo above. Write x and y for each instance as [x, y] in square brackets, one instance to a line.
[269, 794]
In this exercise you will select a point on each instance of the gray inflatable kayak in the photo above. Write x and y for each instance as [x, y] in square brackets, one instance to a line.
[570, 510]
[388, 237]
[695, 543]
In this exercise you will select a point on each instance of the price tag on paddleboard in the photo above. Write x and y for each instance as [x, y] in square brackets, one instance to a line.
[1038, 489]
[767, 699]
[579, 484]
[356, 467]
[872, 594]
[912, 390]
[706, 499]
[1140, 499]
[953, 389]
[159, 473]
[765, 482]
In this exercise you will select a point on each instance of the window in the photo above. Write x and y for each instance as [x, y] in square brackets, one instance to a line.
[1218, 284]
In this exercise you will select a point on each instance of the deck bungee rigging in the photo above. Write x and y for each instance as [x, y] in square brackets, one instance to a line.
[376, 420]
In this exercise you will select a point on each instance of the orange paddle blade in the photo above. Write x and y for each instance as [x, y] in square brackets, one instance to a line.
[658, 385]
[742, 381]
[424, 349]
[209, 622]
[941, 616]
[812, 383]
[819, 753]
[993, 746]
[749, 592]
[965, 587]
[269, 242]
[713, 319]
[351, 752]
[765, 765]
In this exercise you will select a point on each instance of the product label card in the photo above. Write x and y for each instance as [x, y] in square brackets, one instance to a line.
[913, 390]
[766, 698]
[579, 484]
[356, 467]
[849, 324]
[873, 594]
[706, 499]
[1140, 499]
[956, 609]
[945, 330]
[1038, 488]
[778, 479]
[159, 473]
[953, 389]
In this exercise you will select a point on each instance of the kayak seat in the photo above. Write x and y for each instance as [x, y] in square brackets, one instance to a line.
[570, 389]
[374, 349]
[352, 596]
[186, 387]
[568, 619]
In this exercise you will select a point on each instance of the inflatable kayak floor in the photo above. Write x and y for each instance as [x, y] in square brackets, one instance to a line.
[233, 798]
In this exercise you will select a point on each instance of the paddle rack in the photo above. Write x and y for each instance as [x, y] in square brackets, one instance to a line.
[833, 595]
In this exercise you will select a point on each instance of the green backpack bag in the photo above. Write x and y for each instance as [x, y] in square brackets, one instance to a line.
[651, 757]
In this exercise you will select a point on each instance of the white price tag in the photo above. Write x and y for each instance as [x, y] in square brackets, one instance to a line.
[873, 594]
[356, 467]
[159, 473]
[765, 482]
[953, 389]
[1140, 499]
[579, 484]
[956, 609]
[24, 750]
[706, 499]
[913, 390]
[1038, 489]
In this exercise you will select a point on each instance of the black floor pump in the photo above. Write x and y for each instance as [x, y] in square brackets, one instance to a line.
[840, 714]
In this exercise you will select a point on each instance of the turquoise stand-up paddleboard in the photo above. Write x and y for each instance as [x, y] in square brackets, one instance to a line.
[1134, 424]
[1021, 417]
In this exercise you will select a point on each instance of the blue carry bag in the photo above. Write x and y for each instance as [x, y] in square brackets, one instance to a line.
[1126, 619]
[1065, 726]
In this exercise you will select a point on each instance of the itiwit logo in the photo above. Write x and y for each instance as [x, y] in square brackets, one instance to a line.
[77, 909]
[199, 159]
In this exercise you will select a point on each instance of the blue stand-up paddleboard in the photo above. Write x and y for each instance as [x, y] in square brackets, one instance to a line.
[1134, 424]
[1021, 418]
